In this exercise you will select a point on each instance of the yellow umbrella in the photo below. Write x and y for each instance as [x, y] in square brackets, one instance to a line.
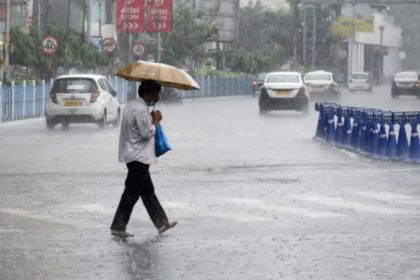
[166, 75]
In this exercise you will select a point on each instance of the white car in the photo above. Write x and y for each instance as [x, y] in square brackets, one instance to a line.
[406, 83]
[360, 81]
[322, 85]
[82, 98]
[283, 91]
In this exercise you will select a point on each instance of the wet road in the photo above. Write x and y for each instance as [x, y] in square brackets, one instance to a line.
[256, 198]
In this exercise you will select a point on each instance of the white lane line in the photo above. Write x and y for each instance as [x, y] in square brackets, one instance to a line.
[11, 230]
[246, 217]
[392, 197]
[93, 208]
[297, 211]
[341, 203]
[53, 219]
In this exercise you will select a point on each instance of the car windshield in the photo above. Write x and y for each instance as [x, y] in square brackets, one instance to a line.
[406, 76]
[74, 85]
[283, 78]
[360, 76]
[317, 77]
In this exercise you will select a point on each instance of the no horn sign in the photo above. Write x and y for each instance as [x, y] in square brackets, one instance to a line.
[109, 44]
[50, 45]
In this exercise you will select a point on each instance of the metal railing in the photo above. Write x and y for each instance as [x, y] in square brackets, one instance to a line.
[28, 100]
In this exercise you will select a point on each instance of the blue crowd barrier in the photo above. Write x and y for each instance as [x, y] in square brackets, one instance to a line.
[372, 132]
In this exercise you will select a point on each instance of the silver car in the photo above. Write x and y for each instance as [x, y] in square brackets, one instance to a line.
[406, 83]
[322, 85]
[360, 81]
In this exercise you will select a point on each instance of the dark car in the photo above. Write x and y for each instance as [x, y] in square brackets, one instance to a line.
[258, 82]
[170, 95]
[405, 83]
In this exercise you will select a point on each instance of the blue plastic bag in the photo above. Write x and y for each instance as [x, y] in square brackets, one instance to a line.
[161, 142]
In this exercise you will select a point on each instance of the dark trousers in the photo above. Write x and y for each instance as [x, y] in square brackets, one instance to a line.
[138, 184]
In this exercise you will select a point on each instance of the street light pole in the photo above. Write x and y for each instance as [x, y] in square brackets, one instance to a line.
[6, 35]
[88, 20]
[100, 18]
[39, 16]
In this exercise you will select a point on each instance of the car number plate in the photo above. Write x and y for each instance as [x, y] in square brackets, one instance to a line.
[73, 103]
[282, 93]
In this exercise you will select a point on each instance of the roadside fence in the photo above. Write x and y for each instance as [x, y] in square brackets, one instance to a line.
[28, 100]
[372, 132]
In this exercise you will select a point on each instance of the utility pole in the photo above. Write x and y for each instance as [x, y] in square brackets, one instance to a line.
[100, 18]
[68, 13]
[88, 20]
[295, 28]
[159, 46]
[39, 16]
[6, 35]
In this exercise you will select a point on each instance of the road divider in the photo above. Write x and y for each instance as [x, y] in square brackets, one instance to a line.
[368, 131]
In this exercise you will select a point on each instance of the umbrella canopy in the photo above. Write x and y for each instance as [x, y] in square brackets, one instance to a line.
[166, 75]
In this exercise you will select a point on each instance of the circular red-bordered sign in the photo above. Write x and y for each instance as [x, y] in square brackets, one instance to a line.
[109, 44]
[138, 49]
[50, 45]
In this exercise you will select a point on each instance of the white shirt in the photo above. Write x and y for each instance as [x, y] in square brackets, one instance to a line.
[137, 135]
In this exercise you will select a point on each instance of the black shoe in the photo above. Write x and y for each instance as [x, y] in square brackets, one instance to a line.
[121, 233]
[167, 226]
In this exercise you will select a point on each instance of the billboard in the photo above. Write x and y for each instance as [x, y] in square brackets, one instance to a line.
[130, 15]
[345, 26]
[159, 16]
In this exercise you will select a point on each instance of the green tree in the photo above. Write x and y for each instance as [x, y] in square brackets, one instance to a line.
[23, 48]
[264, 39]
[26, 50]
[192, 29]
[407, 16]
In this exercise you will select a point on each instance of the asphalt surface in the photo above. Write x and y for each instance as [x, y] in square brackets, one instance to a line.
[255, 197]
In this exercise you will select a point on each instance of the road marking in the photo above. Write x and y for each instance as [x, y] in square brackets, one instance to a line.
[10, 231]
[55, 219]
[246, 217]
[298, 211]
[392, 197]
[341, 203]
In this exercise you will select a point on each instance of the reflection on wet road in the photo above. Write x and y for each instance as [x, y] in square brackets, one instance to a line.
[256, 198]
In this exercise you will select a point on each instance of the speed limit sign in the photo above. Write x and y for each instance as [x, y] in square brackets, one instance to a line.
[50, 45]
[138, 49]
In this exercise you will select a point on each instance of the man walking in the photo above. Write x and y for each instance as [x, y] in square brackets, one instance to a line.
[137, 150]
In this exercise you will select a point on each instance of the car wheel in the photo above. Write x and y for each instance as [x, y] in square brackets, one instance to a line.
[50, 124]
[394, 94]
[103, 122]
[262, 111]
[65, 126]
[116, 123]
[263, 102]
[305, 106]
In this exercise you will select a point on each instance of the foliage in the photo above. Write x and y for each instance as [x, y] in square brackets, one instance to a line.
[264, 39]
[25, 49]
[266, 42]
[407, 16]
[192, 29]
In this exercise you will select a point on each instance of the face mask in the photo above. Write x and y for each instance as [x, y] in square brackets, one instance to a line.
[150, 103]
